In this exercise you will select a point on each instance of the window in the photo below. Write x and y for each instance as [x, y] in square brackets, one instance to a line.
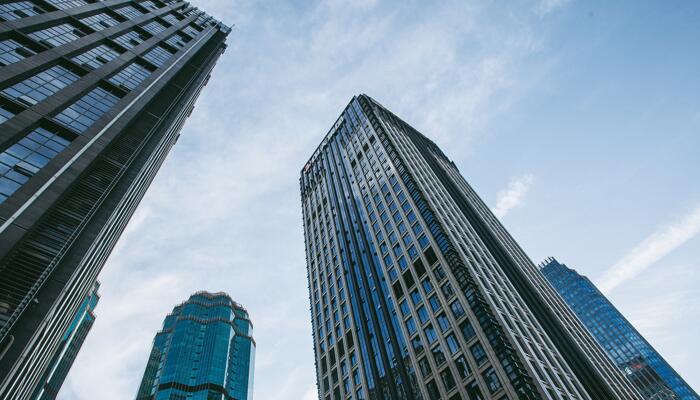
[99, 22]
[96, 57]
[422, 315]
[17, 10]
[434, 303]
[467, 331]
[410, 326]
[404, 308]
[5, 114]
[25, 158]
[150, 5]
[84, 112]
[12, 51]
[491, 379]
[178, 41]
[474, 392]
[158, 56]
[131, 76]
[430, 334]
[64, 4]
[128, 12]
[443, 322]
[191, 31]
[172, 18]
[452, 343]
[478, 353]
[40, 86]
[433, 392]
[457, 309]
[153, 27]
[57, 35]
[447, 290]
[462, 367]
[447, 379]
[131, 39]
[438, 355]
[424, 366]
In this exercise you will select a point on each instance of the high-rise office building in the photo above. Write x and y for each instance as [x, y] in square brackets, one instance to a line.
[204, 351]
[418, 292]
[68, 350]
[638, 360]
[93, 95]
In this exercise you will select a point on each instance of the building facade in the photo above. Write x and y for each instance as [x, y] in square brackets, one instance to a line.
[417, 291]
[635, 357]
[70, 345]
[93, 95]
[204, 351]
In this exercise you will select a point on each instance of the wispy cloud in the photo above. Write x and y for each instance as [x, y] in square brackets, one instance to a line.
[651, 250]
[512, 196]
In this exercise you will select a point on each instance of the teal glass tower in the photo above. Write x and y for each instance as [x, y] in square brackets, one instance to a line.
[205, 351]
[70, 345]
[635, 357]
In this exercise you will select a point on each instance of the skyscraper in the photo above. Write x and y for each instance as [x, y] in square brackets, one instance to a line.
[93, 95]
[417, 291]
[204, 351]
[68, 350]
[643, 365]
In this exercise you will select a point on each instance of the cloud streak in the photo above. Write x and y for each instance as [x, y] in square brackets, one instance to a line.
[651, 250]
[512, 196]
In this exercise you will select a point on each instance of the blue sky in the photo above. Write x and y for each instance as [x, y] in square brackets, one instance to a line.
[578, 122]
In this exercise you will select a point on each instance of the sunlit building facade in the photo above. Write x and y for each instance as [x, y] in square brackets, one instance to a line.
[205, 351]
[93, 95]
[638, 360]
[416, 289]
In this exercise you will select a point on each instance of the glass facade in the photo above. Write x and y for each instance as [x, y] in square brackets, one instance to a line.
[70, 345]
[205, 351]
[89, 110]
[647, 370]
[408, 288]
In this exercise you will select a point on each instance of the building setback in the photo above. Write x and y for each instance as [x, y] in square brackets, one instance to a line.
[637, 359]
[417, 291]
[70, 346]
[204, 351]
[93, 94]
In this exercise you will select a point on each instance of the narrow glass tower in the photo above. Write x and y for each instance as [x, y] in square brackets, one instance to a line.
[643, 365]
[71, 343]
[204, 351]
[93, 95]
[416, 289]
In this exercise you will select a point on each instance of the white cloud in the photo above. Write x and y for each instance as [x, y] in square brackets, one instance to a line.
[651, 250]
[512, 196]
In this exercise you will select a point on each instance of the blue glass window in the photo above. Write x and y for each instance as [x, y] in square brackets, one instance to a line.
[178, 41]
[57, 35]
[96, 57]
[128, 12]
[100, 21]
[443, 322]
[457, 309]
[158, 56]
[17, 10]
[65, 4]
[479, 354]
[131, 76]
[422, 315]
[12, 51]
[84, 112]
[32, 90]
[153, 27]
[5, 114]
[25, 158]
[131, 39]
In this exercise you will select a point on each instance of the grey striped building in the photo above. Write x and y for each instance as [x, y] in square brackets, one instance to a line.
[93, 94]
[416, 289]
